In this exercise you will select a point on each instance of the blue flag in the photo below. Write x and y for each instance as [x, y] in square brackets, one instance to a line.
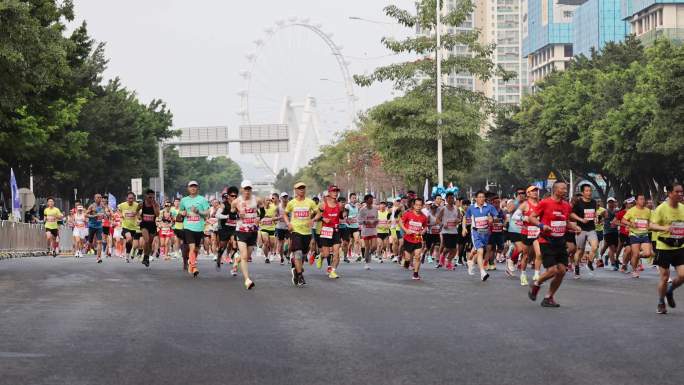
[112, 201]
[16, 203]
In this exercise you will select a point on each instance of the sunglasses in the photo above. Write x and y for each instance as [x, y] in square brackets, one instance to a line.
[233, 196]
[301, 188]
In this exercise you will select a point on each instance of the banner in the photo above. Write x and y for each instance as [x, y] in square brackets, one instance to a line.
[112, 201]
[16, 203]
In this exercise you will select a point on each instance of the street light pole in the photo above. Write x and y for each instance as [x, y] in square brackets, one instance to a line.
[438, 57]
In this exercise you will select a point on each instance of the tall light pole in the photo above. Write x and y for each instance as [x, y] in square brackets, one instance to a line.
[438, 57]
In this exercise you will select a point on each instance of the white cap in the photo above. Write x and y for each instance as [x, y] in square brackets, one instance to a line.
[284, 194]
[611, 199]
[246, 183]
[630, 200]
[193, 182]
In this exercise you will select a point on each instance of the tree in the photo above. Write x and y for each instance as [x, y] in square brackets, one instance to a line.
[284, 181]
[406, 129]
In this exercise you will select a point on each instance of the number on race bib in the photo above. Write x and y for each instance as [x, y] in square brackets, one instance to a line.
[558, 228]
[327, 232]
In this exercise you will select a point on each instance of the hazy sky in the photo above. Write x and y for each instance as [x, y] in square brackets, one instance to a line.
[190, 53]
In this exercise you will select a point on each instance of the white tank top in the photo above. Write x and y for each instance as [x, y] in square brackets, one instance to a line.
[450, 220]
[249, 221]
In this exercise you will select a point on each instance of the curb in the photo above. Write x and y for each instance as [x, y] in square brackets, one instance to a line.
[10, 254]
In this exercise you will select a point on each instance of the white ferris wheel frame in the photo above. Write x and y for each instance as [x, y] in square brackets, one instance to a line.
[336, 51]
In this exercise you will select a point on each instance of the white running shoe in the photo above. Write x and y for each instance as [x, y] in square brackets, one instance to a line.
[366, 266]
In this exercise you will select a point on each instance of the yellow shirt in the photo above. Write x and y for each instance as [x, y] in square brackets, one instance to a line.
[301, 215]
[640, 219]
[129, 217]
[665, 215]
[599, 218]
[384, 222]
[51, 217]
[268, 222]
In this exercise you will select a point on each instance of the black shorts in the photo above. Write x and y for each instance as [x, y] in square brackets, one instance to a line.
[94, 233]
[247, 237]
[317, 239]
[151, 227]
[193, 237]
[431, 240]
[450, 241]
[497, 240]
[624, 239]
[611, 239]
[270, 233]
[599, 235]
[411, 247]
[353, 230]
[464, 240]
[282, 234]
[54, 232]
[570, 237]
[554, 254]
[134, 234]
[383, 236]
[344, 233]
[330, 242]
[225, 233]
[179, 234]
[105, 231]
[300, 242]
[515, 237]
[528, 241]
[667, 258]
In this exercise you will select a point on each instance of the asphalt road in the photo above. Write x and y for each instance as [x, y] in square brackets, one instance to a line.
[70, 321]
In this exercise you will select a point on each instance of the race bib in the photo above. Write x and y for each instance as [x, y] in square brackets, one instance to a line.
[435, 229]
[148, 217]
[50, 219]
[532, 232]
[518, 223]
[267, 221]
[677, 229]
[415, 227]
[497, 227]
[231, 222]
[558, 228]
[352, 221]
[641, 224]
[451, 224]
[212, 221]
[301, 213]
[249, 218]
[80, 225]
[327, 232]
[589, 213]
[382, 222]
[481, 223]
[129, 214]
[193, 218]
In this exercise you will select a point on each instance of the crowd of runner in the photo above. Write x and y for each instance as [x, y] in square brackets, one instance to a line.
[552, 236]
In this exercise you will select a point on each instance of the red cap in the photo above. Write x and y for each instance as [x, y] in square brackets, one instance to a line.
[332, 188]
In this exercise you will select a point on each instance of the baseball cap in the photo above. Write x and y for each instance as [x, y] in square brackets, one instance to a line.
[193, 183]
[299, 184]
[611, 199]
[283, 194]
[429, 202]
[332, 188]
[532, 188]
[246, 183]
[630, 200]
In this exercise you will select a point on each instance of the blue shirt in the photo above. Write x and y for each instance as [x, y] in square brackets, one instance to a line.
[194, 222]
[480, 216]
[96, 221]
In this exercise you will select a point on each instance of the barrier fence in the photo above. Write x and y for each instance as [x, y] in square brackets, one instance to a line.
[26, 237]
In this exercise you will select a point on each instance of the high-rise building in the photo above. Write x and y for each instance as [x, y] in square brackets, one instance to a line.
[652, 19]
[595, 23]
[547, 41]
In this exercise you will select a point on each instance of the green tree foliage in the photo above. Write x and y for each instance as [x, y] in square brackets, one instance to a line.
[213, 174]
[615, 115]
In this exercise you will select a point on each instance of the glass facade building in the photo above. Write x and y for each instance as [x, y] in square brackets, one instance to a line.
[653, 19]
[597, 22]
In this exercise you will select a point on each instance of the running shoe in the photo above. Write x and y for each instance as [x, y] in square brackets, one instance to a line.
[395, 260]
[366, 266]
[295, 276]
[484, 275]
[600, 264]
[549, 302]
[249, 284]
[267, 260]
[346, 260]
[54, 253]
[406, 264]
[491, 266]
[218, 264]
[146, 261]
[449, 266]
[471, 267]
[577, 271]
[333, 275]
[670, 296]
[328, 269]
[416, 276]
[282, 261]
[590, 265]
[438, 266]
[319, 262]
[662, 309]
[233, 271]
[301, 282]
[635, 274]
[194, 272]
[99, 260]
[312, 258]
[534, 290]
[523, 279]
[429, 259]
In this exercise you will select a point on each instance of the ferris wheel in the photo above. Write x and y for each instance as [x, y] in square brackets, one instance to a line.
[298, 76]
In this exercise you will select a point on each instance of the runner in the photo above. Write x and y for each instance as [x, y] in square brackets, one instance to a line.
[96, 213]
[610, 234]
[281, 231]
[352, 210]
[414, 224]
[515, 228]
[551, 215]
[432, 235]
[246, 206]
[482, 216]
[384, 220]
[530, 234]
[80, 229]
[52, 215]
[464, 242]
[637, 220]
[129, 225]
[584, 213]
[330, 213]
[117, 237]
[149, 212]
[623, 244]
[194, 209]
[449, 217]
[668, 222]
[226, 225]
[177, 227]
[267, 226]
[495, 246]
[395, 230]
[301, 210]
[165, 224]
[368, 218]
[107, 227]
